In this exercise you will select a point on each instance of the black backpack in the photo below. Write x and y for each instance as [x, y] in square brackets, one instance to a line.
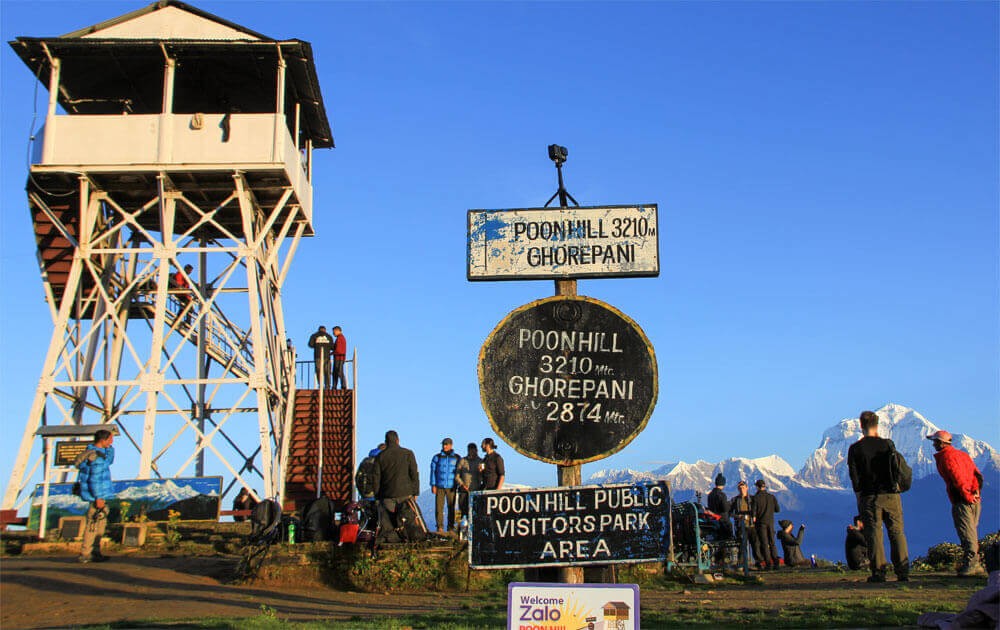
[899, 471]
[365, 477]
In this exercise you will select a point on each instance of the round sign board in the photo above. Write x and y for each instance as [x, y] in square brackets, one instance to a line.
[567, 379]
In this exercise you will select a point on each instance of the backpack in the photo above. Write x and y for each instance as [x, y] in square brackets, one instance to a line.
[899, 471]
[365, 477]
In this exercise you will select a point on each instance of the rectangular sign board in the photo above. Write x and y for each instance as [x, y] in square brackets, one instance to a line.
[571, 606]
[66, 452]
[568, 526]
[563, 243]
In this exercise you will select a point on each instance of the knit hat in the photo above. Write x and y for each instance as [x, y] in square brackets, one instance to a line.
[783, 523]
[760, 483]
[445, 441]
[720, 480]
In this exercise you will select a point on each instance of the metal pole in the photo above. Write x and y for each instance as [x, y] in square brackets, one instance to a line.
[45, 490]
[567, 475]
[322, 387]
[199, 465]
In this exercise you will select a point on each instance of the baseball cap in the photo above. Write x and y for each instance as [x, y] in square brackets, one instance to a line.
[446, 441]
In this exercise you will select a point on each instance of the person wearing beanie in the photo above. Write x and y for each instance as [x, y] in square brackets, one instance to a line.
[444, 469]
[765, 506]
[964, 482]
[855, 546]
[718, 503]
[791, 546]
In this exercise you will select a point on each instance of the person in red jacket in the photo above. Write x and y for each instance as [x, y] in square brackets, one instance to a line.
[964, 482]
[339, 356]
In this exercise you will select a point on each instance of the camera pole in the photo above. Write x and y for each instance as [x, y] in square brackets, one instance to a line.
[566, 475]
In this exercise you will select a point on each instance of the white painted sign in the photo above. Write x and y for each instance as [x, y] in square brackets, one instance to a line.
[563, 243]
[531, 606]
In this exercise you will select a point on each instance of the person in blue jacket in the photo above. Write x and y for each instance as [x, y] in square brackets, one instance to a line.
[444, 467]
[94, 478]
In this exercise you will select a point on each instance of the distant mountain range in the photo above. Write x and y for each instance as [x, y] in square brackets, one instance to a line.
[820, 495]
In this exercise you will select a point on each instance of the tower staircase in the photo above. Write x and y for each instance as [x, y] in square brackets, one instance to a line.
[301, 471]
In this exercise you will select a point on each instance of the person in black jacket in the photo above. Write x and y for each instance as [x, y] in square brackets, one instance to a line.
[718, 503]
[855, 547]
[869, 462]
[396, 475]
[322, 344]
[791, 546]
[764, 508]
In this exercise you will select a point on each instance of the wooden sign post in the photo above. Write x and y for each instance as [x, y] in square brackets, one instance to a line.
[566, 379]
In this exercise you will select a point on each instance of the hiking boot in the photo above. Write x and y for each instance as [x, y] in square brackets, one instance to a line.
[974, 570]
[876, 578]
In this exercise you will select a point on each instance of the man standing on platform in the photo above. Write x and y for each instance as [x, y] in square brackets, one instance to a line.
[339, 357]
[964, 483]
[322, 343]
[492, 466]
[94, 478]
[869, 461]
[444, 468]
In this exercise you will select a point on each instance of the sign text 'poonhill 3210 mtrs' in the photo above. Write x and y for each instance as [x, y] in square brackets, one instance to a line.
[571, 525]
[567, 379]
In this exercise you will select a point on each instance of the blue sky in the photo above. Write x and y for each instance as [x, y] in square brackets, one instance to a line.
[826, 175]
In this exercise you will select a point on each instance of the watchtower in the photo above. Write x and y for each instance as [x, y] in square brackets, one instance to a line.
[168, 198]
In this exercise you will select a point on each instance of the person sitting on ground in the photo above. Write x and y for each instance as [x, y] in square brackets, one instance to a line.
[855, 547]
[791, 546]
[243, 501]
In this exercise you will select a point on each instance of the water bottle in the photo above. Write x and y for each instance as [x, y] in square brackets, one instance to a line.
[463, 529]
[812, 560]
[291, 532]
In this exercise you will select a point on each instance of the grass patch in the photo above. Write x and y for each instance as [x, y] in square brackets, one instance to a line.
[864, 612]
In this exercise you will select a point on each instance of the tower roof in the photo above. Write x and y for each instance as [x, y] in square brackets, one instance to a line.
[117, 65]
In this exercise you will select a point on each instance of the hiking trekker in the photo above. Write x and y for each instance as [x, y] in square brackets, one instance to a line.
[764, 508]
[339, 357]
[870, 463]
[444, 468]
[322, 344]
[470, 478]
[791, 546]
[364, 479]
[396, 475]
[855, 546]
[741, 507]
[964, 483]
[492, 466]
[718, 503]
[94, 478]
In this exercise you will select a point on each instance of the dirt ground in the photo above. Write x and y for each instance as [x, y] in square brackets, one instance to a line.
[47, 592]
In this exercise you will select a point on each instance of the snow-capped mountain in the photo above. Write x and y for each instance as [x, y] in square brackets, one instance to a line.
[700, 476]
[158, 494]
[826, 467]
[68, 502]
[820, 492]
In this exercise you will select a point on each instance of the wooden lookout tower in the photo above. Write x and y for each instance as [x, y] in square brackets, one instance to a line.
[169, 189]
